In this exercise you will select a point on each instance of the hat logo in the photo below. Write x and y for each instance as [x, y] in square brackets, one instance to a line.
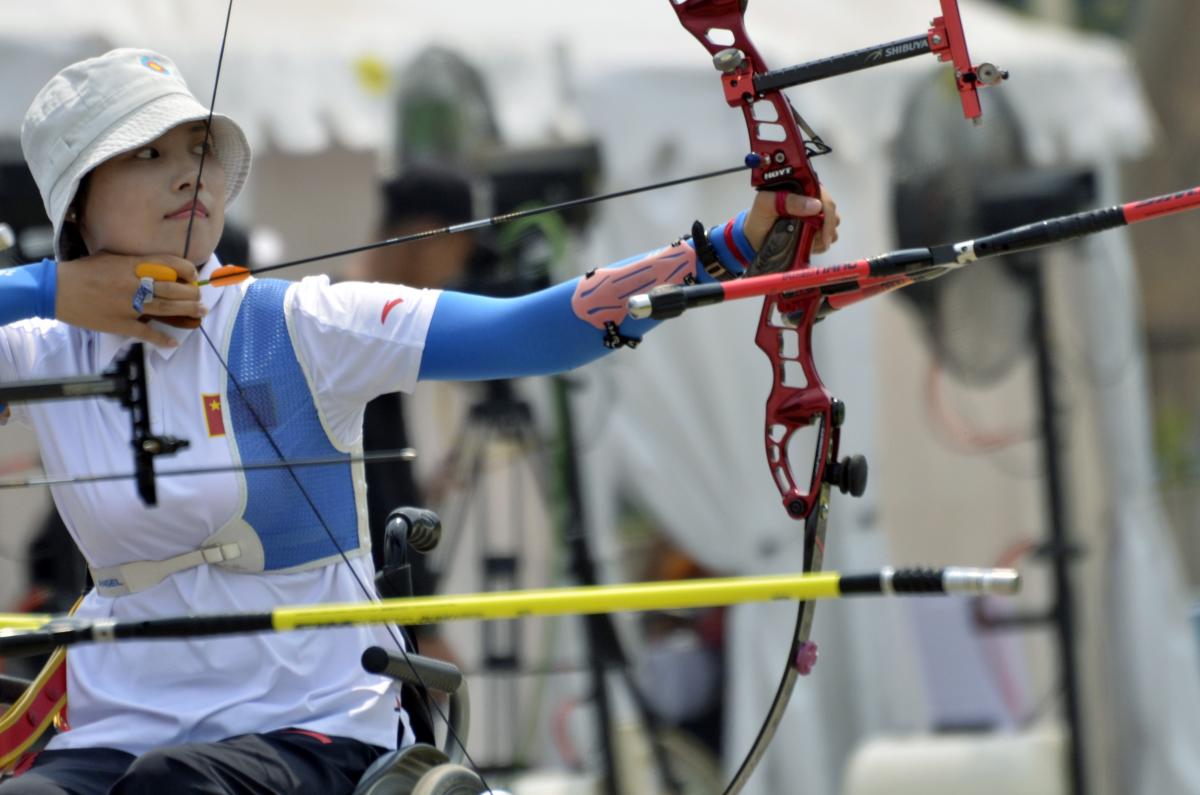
[153, 64]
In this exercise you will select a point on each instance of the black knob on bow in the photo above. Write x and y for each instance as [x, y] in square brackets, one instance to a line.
[849, 475]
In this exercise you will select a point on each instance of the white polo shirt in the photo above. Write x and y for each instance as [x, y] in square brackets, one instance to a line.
[355, 341]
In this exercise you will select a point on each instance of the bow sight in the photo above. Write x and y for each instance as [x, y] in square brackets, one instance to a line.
[124, 381]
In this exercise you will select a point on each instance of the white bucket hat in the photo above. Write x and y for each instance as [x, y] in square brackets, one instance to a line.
[96, 109]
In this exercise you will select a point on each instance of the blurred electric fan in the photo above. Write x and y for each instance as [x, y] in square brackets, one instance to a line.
[443, 112]
[977, 321]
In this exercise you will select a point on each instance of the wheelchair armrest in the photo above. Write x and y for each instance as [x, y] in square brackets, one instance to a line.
[430, 673]
[414, 669]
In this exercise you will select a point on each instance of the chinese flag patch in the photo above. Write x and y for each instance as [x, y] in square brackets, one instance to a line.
[212, 415]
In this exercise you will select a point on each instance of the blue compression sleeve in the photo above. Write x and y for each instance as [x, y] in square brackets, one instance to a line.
[473, 337]
[28, 291]
[735, 257]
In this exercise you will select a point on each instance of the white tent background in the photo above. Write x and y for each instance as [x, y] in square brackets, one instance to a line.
[684, 431]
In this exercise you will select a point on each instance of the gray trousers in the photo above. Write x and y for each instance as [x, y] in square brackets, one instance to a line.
[285, 762]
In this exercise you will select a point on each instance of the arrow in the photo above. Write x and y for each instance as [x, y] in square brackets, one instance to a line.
[901, 268]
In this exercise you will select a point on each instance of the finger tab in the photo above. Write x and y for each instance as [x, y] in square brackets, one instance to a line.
[155, 271]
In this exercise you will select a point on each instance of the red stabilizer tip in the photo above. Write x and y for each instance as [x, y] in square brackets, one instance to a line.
[806, 658]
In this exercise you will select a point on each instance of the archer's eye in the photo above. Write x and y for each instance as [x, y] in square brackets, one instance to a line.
[205, 148]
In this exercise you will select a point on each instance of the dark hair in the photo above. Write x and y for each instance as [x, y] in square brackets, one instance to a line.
[425, 191]
[71, 238]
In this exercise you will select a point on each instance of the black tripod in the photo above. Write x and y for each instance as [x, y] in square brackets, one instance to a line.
[501, 416]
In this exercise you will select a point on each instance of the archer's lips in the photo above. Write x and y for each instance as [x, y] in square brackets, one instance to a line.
[185, 211]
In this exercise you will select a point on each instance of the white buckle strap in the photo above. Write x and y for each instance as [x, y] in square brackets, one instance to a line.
[138, 576]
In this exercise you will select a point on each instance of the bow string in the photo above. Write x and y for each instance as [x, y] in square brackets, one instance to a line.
[367, 593]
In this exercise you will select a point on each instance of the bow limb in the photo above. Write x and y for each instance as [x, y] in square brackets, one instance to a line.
[801, 653]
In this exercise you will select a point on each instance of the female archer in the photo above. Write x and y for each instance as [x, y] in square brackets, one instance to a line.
[130, 171]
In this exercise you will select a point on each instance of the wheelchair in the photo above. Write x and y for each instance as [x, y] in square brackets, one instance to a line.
[418, 769]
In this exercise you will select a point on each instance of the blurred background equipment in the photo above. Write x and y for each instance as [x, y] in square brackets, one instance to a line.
[29, 232]
[982, 322]
[977, 323]
[7, 238]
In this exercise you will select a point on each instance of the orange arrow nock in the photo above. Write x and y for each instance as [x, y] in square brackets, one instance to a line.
[226, 276]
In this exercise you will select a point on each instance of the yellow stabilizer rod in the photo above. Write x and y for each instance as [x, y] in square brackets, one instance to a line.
[559, 601]
[23, 620]
[712, 592]
[518, 604]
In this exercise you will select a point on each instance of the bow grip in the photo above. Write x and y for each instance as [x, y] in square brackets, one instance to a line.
[776, 252]
[788, 234]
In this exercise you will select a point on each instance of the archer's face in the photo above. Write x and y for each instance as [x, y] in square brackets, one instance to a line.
[139, 202]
